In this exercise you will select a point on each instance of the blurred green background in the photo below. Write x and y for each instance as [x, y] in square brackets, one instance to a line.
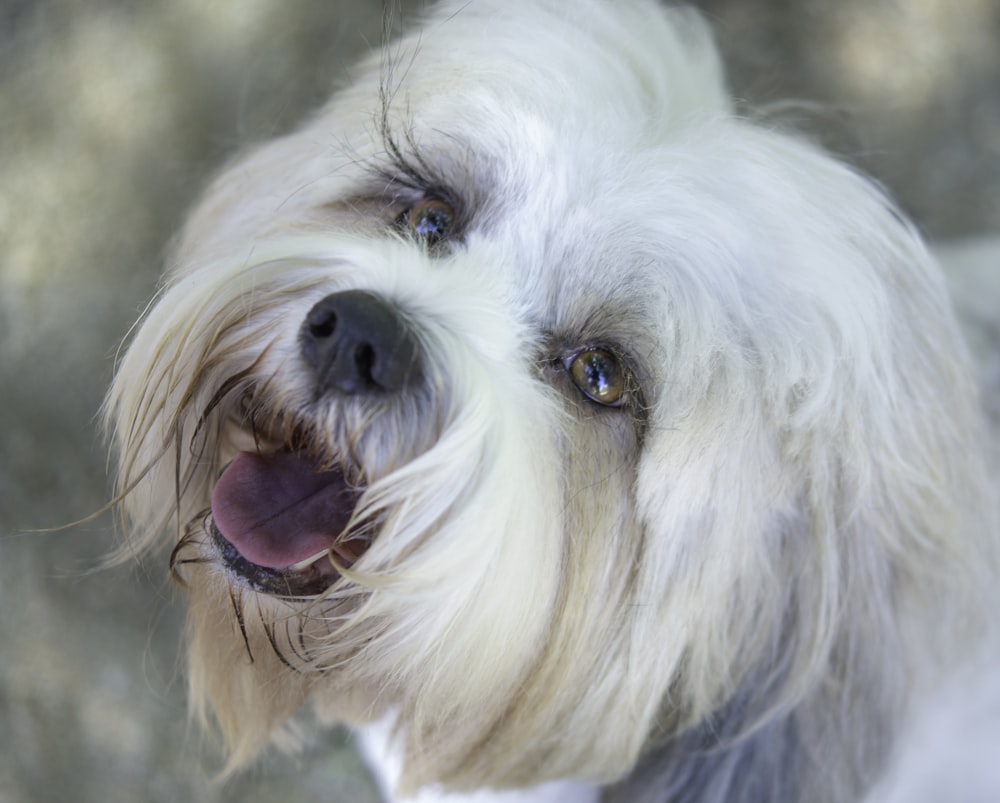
[112, 115]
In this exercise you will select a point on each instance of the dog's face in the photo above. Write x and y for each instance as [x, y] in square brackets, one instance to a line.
[526, 391]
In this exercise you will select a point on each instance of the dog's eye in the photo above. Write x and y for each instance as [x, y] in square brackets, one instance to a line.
[600, 376]
[429, 221]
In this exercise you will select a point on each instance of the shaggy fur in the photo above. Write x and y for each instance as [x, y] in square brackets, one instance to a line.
[729, 580]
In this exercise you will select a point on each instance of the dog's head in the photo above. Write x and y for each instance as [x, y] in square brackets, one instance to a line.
[528, 391]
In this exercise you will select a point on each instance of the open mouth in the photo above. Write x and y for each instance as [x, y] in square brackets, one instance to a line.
[279, 521]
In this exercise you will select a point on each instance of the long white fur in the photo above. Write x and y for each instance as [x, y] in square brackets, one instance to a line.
[737, 596]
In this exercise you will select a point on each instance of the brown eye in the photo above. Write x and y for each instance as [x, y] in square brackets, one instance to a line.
[429, 221]
[599, 374]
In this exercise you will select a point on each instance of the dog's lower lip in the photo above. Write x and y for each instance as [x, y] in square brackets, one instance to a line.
[307, 579]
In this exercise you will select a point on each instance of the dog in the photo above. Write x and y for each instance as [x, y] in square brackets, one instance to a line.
[568, 433]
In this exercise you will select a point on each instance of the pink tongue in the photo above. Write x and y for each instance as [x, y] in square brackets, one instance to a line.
[280, 509]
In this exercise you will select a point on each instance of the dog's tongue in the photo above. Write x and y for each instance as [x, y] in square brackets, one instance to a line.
[280, 509]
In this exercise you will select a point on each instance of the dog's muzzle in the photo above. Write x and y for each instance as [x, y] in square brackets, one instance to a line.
[280, 519]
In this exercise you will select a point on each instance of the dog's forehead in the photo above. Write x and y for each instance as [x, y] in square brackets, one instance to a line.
[624, 76]
[634, 67]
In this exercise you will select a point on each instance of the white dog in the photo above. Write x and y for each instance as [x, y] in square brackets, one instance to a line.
[584, 436]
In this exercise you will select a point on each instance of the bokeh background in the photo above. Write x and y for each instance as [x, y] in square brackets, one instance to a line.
[113, 113]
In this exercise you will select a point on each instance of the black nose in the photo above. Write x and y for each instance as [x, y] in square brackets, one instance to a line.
[355, 342]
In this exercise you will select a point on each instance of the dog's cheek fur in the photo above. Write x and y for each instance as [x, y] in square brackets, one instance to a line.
[576, 676]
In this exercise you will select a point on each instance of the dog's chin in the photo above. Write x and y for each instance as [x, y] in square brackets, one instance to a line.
[280, 523]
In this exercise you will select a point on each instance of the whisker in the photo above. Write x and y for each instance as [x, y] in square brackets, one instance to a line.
[238, 610]
[288, 637]
[269, 632]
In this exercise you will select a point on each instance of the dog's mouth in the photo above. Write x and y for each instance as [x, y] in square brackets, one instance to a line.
[280, 520]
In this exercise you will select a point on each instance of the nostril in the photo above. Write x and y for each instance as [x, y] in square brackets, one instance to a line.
[324, 329]
[364, 362]
[325, 326]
